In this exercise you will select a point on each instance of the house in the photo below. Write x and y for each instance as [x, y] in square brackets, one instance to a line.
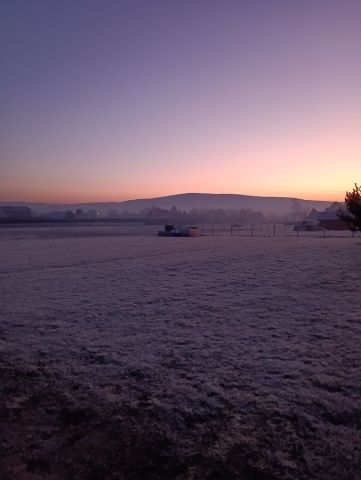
[331, 221]
[15, 212]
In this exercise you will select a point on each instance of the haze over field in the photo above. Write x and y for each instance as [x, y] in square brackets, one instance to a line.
[187, 201]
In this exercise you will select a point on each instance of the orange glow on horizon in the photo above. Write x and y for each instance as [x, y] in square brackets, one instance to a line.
[110, 197]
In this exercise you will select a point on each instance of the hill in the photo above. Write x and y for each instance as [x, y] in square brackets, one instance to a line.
[187, 201]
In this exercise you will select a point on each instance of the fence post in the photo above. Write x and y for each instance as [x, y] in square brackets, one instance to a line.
[274, 229]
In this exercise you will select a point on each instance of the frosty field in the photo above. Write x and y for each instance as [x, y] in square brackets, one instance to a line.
[128, 356]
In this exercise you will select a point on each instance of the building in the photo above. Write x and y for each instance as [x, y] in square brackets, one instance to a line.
[331, 221]
[15, 212]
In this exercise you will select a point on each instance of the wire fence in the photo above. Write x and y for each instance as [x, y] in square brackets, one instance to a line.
[104, 229]
[270, 230]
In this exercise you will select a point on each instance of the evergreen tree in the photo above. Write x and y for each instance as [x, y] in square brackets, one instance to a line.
[353, 206]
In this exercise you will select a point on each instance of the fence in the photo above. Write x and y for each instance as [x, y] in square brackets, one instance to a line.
[270, 230]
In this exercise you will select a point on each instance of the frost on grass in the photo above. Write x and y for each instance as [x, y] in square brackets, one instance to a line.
[137, 357]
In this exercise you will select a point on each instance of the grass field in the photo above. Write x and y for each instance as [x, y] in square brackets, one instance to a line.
[128, 356]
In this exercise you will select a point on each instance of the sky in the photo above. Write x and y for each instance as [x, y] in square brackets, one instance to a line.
[104, 100]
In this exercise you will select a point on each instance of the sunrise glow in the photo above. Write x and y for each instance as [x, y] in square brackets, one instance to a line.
[255, 98]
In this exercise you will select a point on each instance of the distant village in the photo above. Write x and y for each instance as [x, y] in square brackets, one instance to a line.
[302, 220]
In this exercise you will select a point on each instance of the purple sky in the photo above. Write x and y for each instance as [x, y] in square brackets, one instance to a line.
[108, 100]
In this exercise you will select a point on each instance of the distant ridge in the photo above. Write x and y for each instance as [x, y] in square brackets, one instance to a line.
[187, 201]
